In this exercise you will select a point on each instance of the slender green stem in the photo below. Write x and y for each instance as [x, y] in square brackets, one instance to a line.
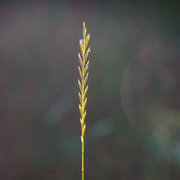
[82, 161]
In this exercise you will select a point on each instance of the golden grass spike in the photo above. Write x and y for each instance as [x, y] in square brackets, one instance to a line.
[84, 31]
[82, 83]
[87, 40]
[83, 130]
[85, 79]
[80, 73]
[86, 67]
[85, 92]
[79, 86]
[80, 109]
[84, 104]
[80, 60]
[83, 117]
[87, 53]
[79, 96]
[81, 47]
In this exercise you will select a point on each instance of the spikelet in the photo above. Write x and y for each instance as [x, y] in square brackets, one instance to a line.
[84, 64]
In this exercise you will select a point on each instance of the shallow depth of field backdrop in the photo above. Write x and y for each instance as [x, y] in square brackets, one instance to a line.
[133, 109]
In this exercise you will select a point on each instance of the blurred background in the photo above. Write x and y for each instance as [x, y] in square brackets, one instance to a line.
[133, 109]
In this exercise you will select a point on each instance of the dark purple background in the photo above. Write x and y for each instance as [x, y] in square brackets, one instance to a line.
[133, 109]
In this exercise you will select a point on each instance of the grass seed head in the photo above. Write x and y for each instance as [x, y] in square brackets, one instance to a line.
[84, 65]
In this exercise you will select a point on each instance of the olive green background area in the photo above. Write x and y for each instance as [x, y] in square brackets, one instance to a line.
[133, 108]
